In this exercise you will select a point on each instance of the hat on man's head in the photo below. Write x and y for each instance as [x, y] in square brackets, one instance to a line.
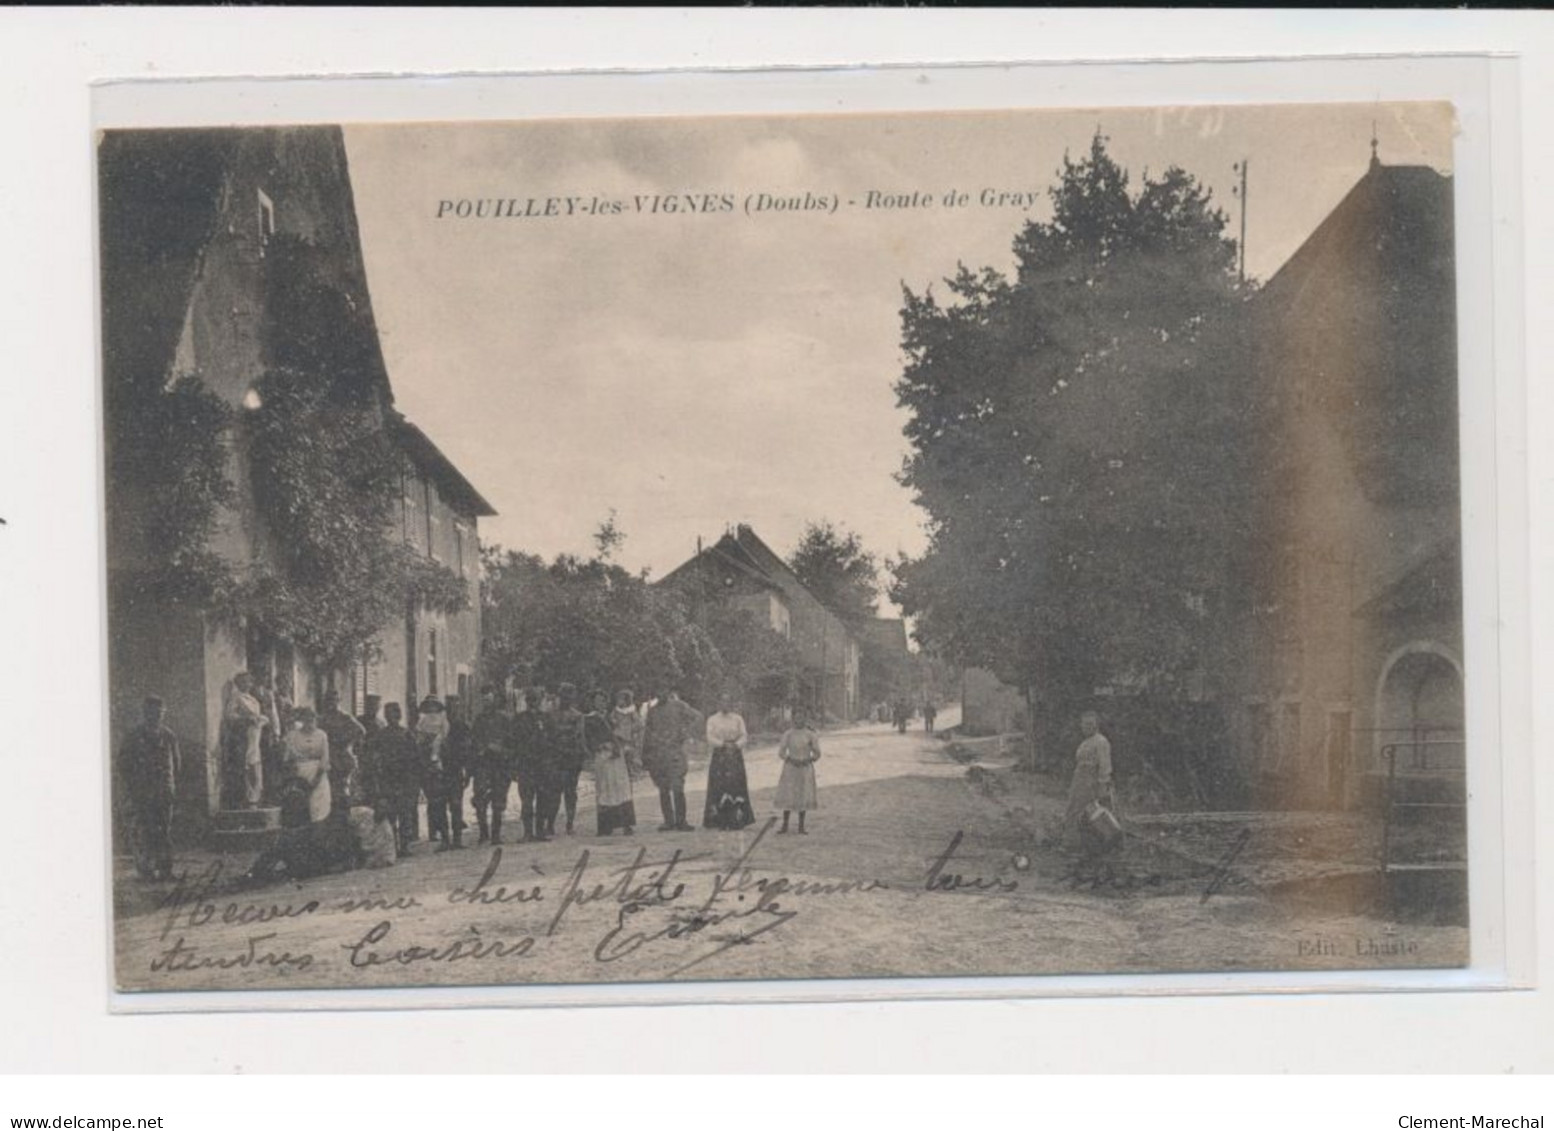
[431, 703]
[152, 701]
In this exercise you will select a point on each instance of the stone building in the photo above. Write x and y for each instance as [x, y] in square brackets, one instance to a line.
[746, 572]
[207, 237]
[1348, 643]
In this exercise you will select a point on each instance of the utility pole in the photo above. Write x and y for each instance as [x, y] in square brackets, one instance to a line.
[1240, 192]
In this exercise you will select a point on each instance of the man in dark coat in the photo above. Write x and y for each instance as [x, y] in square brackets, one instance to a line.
[566, 754]
[492, 764]
[396, 776]
[369, 719]
[346, 737]
[149, 761]
[530, 765]
[671, 723]
[458, 762]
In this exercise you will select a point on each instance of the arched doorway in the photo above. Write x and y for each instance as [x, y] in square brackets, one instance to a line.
[1419, 709]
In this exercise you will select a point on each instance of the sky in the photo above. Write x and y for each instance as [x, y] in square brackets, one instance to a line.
[694, 369]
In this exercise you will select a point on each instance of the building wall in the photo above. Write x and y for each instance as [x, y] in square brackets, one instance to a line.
[271, 183]
[1357, 352]
[825, 645]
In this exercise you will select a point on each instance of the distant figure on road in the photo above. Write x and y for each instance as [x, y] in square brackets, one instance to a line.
[728, 789]
[148, 768]
[1091, 786]
[902, 714]
[930, 712]
[800, 750]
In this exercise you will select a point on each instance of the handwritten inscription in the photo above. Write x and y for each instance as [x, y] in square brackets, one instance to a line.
[656, 904]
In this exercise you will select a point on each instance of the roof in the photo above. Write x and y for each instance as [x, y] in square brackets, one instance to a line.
[1414, 198]
[1431, 583]
[780, 571]
[431, 462]
[729, 554]
[159, 199]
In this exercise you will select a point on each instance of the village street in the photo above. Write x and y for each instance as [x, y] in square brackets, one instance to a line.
[912, 867]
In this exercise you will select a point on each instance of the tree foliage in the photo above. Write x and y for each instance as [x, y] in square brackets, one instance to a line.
[171, 447]
[1074, 439]
[832, 564]
[593, 624]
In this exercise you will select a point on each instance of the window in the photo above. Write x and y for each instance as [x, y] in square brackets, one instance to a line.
[431, 661]
[412, 510]
[364, 680]
[266, 218]
[433, 523]
[458, 549]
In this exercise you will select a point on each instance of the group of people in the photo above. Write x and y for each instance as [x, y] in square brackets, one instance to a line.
[899, 711]
[319, 766]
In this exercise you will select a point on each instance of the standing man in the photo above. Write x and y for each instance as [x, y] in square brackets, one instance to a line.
[530, 765]
[458, 762]
[566, 755]
[393, 756]
[369, 720]
[345, 746]
[671, 724]
[492, 764]
[148, 764]
[930, 712]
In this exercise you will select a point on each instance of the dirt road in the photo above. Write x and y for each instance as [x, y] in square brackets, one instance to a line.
[910, 868]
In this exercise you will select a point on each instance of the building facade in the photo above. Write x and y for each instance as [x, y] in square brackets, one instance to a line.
[1348, 644]
[214, 245]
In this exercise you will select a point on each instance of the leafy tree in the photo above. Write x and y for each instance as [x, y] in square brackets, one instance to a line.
[833, 565]
[1077, 443]
[591, 623]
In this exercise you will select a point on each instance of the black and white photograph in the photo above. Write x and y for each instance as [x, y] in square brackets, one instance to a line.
[783, 547]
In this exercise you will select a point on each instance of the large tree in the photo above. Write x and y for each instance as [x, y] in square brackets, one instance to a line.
[1076, 441]
[833, 565]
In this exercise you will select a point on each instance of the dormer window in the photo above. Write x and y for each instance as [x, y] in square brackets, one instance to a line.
[266, 218]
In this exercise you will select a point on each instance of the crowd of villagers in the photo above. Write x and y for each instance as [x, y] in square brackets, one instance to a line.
[352, 789]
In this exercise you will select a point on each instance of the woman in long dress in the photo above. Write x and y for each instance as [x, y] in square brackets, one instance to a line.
[1091, 785]
[799, 751]
[303, 847]
[242, 721]
[307, 759]
[728, 789]
[612, 777]
[627, 724]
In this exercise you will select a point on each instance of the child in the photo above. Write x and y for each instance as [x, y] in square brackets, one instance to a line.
[800, 750]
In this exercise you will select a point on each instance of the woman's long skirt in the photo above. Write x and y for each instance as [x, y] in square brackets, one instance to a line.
[728, 791]
[796, 788]
[612, 782]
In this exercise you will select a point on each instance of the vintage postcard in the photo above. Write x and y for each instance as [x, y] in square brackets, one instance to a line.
[806, 546]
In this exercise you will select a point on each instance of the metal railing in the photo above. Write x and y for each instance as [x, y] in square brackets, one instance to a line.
[1425, 758]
